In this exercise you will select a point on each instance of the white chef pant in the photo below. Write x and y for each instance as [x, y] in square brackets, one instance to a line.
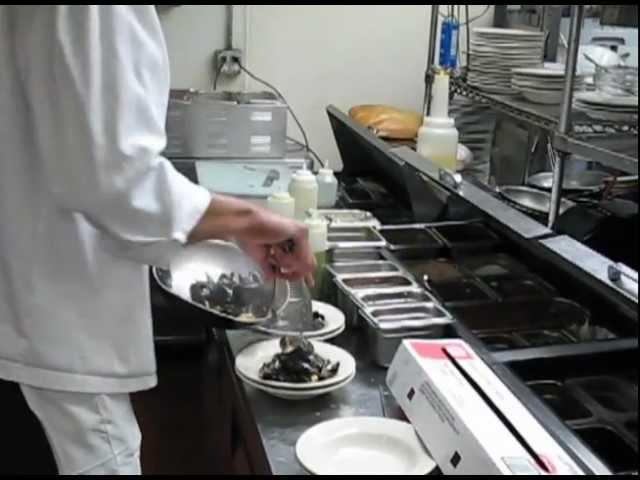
[89, 434]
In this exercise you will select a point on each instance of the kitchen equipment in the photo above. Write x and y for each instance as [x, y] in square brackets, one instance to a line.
[225, 125]
[355, 237]
[334, 320]
[348, 287]
[460, 237]
[354, 255]
[585, 181]
[388, 326]
[220, 279]
[347, 218]
[249, 181]
[399, 297]
[411, 241]
[532, 200]
[596, 396]
[535, 323]
[460, 292]
[363, 446]
[363, 268]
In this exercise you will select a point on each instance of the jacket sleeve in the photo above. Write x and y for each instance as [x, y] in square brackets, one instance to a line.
[97, 81]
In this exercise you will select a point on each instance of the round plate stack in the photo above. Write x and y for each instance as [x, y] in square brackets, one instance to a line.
[250, 361]
[600, 106]
[495, 52]
[542, 85]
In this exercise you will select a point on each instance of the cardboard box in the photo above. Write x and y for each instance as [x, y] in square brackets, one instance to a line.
[467, 418]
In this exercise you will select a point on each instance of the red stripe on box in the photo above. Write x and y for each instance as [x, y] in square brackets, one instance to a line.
[438, 351]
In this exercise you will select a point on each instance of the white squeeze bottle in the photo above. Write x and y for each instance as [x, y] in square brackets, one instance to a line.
[319, 241]
[304, 190]
[327, 188]
[438, 137]
[283, 204]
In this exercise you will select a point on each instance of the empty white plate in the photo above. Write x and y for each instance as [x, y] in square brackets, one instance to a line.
[363, 446]
[251, 359]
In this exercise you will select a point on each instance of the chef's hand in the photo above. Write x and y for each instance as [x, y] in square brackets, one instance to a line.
[261, 234]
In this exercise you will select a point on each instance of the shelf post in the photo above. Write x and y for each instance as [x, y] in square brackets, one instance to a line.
[431, 59]
[565, 126]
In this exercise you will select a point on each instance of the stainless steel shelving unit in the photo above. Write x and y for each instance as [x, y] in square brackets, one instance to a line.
[609, 144]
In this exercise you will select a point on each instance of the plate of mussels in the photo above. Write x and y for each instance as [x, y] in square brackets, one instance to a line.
[295, 368]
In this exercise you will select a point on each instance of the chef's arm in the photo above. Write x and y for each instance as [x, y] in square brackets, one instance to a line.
[257, 231]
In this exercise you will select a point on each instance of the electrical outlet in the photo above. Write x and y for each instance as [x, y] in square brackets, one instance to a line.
[227, 62]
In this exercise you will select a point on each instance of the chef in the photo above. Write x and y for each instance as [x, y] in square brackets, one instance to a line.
[86, 202]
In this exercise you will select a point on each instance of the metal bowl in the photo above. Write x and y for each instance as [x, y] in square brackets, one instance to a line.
[533, 200]
[587, 181]
[219, 278]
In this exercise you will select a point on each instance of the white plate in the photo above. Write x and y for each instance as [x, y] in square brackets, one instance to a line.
[542, 98]
[252, 358]
[507, 32]
[610, 116]
[334, 318]
[298, 395]
[363, 446]
[539, 72]
[597, 98]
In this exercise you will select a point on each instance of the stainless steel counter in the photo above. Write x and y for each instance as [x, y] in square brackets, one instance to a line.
[281, 423]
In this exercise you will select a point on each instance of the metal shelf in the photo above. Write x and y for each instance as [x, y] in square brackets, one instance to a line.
[614, 145]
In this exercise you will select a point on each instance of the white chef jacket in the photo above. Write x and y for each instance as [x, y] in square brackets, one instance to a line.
[86, 200]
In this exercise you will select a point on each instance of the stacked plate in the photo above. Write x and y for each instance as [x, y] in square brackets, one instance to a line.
[334, 325]
[495, 52]
[542, 85]
[600, 106]
[250, 361]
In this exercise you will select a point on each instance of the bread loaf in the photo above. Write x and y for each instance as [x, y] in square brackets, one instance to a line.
[388, 122]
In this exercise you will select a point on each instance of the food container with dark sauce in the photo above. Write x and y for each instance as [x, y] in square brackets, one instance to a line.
[532, 324]
[434, 271]
[512, 288]
[463, 237]
[493, 265]
[411, 241]
[591, 395]
[464, 291]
